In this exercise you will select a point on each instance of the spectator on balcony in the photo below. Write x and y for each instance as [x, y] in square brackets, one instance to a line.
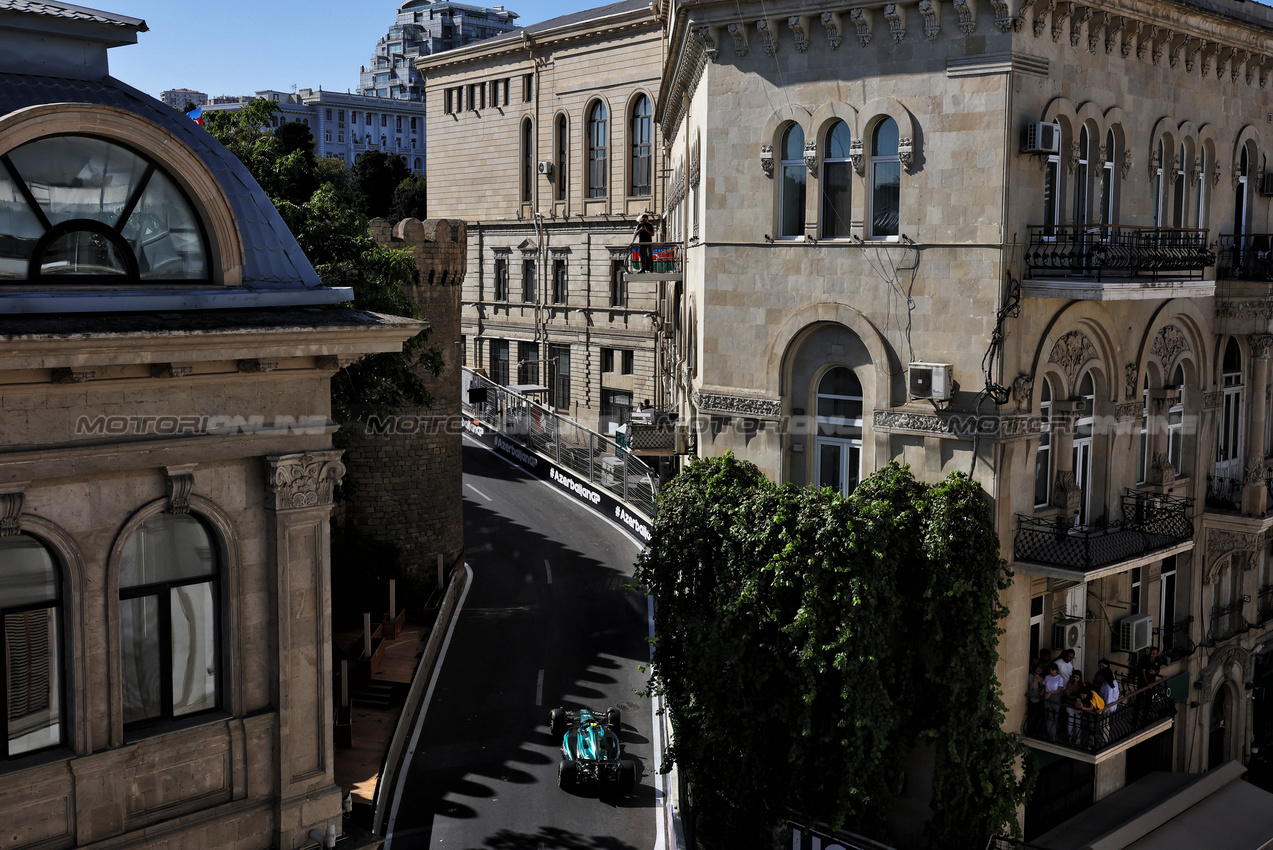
[644, 235]
[1110, 693]
[1150, 669]
[1054, 693]
[1066, 663]
[1074, 689]
[1035, 694]
[1085, 717]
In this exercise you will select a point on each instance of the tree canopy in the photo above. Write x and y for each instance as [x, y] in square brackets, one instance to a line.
[807, 643]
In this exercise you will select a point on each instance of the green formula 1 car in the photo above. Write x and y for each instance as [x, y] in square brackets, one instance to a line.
[590, 749]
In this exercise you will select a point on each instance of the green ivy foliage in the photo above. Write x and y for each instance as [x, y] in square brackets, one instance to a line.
[808, 642]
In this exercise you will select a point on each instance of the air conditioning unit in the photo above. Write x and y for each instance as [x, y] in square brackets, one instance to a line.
[1266, 184]
[1041, 137]
[1068, 634]
[929, 380]
[1135, 632]
[545, 167]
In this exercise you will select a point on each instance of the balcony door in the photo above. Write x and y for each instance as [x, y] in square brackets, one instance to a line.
[839, 462]
[1083, 449]
[1230, 434]
[838, 444]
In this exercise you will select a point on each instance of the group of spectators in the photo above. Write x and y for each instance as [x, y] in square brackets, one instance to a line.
[1065, 707]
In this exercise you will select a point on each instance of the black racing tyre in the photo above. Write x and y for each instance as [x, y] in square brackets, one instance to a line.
[614, 718]
[557, 721]
[567, 773]
[627, 775]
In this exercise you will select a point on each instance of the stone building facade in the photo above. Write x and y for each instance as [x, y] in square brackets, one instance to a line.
[406, 470]
[166, 469]
[554, 123]
[998, 238]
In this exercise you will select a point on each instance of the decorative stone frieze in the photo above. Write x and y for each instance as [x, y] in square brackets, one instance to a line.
[1071, 351]
[1167, 345]
[932, 19]
[707, 41]
[1022, 391]
[800, 35]
[956, 425]
[768, 35]
[739, 33]
[12, 499]
[1212, 401]
[1222, 543]
[896, 17]
[302, 480]
[861, 19]
[831, 22]
[734, 405]
[1130, 410]
[967, 16]
[180, 486]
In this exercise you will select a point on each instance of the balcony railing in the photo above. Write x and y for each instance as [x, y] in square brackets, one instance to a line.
[1224, 493]
[1228, 621]
[1264, 604]
[664, 258]
[1118, 251]
[1175, 640]
[1067, 726]
[1245, 257]
[1151, 522]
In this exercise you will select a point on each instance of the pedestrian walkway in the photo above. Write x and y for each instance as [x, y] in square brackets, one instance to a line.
[357, 768]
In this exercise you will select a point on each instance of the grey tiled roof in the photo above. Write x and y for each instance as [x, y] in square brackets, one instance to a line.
[74, 13]
[573, 18]
[272, 258]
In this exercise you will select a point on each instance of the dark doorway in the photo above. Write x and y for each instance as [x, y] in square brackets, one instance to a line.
[1064, 789]
[1217, 740]
[1149, 756]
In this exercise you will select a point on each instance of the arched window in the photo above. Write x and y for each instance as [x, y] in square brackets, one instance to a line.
[598, 140]
[563, 141]
[419, 164]
[1083, 434]
[169, 620]
[1240, 195]
[528, 162]
[1043, 457]
[1052, 190]
[839, 437]
[1232, 416]
[1176, 423]
[1107, 180]
[791, 187]
[30, 648]
[837, 171]
[1158, 186]
[886, 181]
[1180, 190]
[79, 209]
[1142, 446]
[640, 132]
[1080, 178]
[1200, 194]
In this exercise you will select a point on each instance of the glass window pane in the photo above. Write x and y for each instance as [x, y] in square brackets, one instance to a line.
[838, 141]
[885, 141]
[836, 214]
[840, 381]
[1042, 475]
[829, 466]
[194, 649]
[165, 234]
[139, 649]
[19, 229]
[79, 177]
[82, 253]
[27, 572]
[167, 547]
[793, 143]
[885, 197]
[793, 198]
[32, 686]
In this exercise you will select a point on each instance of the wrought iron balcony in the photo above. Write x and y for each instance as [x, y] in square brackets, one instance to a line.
[1175, 640]
[1264, 604]
[1224, 493]
[1228, 621]
[1063, 724]
[1151, 522]
[1245, 257]
[1117, 251]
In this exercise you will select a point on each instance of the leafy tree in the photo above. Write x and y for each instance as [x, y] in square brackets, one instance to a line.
[807, 642]
[376, 175]
[411, 199]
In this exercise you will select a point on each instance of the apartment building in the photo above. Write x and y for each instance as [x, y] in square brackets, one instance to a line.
[543, 141]
[1025, 241]
[178, 98]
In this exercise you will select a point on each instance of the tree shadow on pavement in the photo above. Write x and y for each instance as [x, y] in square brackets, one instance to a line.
[558, 839]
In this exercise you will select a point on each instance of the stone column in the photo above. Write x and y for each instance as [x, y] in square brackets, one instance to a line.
[1065, 490]
[298, 502]
[1255, 497]
[1161, 471]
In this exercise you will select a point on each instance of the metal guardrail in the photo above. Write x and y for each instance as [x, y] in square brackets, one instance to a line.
[1248, 256]
[1176, 640]
[665, 258]
[1092, 731]
[1151, 522]
[592, 457]
[1228, 621]
[1118, 251]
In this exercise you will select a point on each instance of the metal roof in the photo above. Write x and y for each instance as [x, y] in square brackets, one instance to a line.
[72, 13]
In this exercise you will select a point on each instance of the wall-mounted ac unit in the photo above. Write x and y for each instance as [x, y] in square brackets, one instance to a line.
[1135, 632]
[1041, 137]
[929, 380]
[545, 167]
[1068, 634]
[1266, 184]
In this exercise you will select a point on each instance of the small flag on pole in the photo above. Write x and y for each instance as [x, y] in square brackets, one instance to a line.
[196, 115]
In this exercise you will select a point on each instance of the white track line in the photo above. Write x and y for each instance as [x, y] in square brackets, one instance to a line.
[539, 688]
[424, 709]
[548, 568]
[477, 491]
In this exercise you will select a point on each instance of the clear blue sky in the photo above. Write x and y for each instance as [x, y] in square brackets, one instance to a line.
[242, 46]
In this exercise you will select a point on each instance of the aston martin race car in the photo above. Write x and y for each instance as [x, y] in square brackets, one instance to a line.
[590, 749]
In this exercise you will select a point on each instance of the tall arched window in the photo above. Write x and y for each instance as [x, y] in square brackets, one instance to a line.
[563, 142]
[1043, 457]
[1200, 193]
[837, 170]
[839, 437]
[1052, 190]
[1080, 178]
[30, 648]
[1232, 416]
[1240, 195]
[641, 135]
[79, 209]
[886, 181]
[1107, 180]
[1142, 445]
[1179, 201]
[598, 140]
[791, 186]
[1159, 212]
[1176, 424]
[1084, 427]
[528, 161]
[169, 620]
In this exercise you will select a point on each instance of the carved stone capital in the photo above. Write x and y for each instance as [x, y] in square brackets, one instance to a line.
[906, 153]
[799, 33]
[932, 19]
[810, 155]
[1066, 493]
[12, 498]
[767, 160]
[896, 17]
[180, 486]
[1023, 391]
[861, 19]
[1260, 345]
[1129, 381]
[302, 480]
[831, 22]
[967, 16]
[1127, 163]
[739, 33]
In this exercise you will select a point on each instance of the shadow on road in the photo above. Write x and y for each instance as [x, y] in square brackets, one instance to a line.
[559, 839]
